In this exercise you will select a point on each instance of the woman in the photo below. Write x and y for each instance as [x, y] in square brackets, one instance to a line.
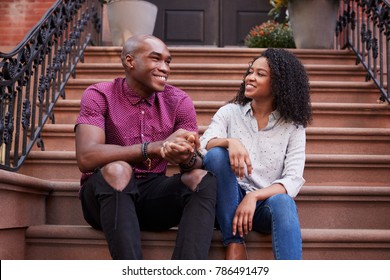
[255, 145]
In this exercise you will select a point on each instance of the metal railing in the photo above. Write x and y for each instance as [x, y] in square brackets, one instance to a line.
[33, 75]
[364, 27]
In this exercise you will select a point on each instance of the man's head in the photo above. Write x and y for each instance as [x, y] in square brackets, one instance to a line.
[146, 59]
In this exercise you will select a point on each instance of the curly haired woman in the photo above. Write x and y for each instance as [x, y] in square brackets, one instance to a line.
[255, 145]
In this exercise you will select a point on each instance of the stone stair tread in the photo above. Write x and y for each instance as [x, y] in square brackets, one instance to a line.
[345, 190]
[343, 91]
[308, 234]
[351, 106]
[223, 71]
[219, 51]
[221, 66]
[83, 242]
[235, 82]
[320, 205]
[321, 169]
[380, 131]
[204, 52]
[210, 104]
[348, 158]
[339, 158]
[56, 185]
[306, 189]
[344, 140]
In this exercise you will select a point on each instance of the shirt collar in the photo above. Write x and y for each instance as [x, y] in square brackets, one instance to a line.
[247, 108]
[134, 98]
[273, 118]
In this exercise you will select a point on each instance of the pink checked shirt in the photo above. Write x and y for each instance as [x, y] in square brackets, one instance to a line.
[128, 119]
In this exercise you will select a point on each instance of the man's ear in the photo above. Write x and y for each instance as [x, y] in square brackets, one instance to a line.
[129, 61]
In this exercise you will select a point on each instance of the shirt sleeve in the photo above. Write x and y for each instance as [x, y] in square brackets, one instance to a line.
[294, 163]
[186, 115]
[218, 128]
[92, 108]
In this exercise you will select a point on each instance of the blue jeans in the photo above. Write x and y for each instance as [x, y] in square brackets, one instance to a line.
[276, 215]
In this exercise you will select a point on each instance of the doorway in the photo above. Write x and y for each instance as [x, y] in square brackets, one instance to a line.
[217, 23]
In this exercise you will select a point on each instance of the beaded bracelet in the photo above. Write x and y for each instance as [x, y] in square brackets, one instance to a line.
[147, 160]
[188, 166]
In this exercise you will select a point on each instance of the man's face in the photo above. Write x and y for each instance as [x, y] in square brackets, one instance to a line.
[150, 67]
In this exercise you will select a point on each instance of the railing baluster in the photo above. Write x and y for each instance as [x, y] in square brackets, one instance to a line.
[368, 35]
[33, 75]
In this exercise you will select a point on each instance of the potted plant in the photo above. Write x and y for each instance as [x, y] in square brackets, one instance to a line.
[129, 17]
[313, 22]
[270, 34]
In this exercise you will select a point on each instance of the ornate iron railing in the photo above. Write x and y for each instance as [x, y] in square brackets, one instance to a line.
[364, 27]
[33, 75]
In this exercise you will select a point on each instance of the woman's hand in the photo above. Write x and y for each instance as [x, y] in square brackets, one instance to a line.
[242, 220]
[239, 158]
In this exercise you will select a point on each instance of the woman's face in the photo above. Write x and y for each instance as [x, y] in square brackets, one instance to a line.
[258, 81]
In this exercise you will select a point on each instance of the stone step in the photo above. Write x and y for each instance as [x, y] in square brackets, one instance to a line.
[22, 200]
[39, 201]
[343, 206]
[363, 115]
[224, 55]
[329, 140]
[224, 90]
[344, 210]
[320, 169]
[358, 115]
[319, 206]
[218, 71]
[54, 242]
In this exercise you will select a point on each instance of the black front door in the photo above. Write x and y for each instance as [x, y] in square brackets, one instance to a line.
[208, 22]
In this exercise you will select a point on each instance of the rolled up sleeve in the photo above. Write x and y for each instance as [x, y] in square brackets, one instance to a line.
[294, 164]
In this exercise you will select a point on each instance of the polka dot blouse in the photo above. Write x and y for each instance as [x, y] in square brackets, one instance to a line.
[277, 152]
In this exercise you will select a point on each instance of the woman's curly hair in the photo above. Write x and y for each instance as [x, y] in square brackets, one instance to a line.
[289, 84]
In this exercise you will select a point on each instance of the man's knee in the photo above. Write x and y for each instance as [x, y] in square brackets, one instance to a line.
[193, 178]
[117, 174]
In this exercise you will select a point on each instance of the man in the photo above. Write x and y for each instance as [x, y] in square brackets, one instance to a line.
[127, 132]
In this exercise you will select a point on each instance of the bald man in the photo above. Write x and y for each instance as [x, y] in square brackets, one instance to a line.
[127, 132]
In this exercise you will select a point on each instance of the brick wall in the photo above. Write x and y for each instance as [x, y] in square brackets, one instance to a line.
[17, 17]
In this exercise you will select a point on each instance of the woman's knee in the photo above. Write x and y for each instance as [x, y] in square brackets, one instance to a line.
[282, 205]
[117, 174]
[279, 200]
[216, 157]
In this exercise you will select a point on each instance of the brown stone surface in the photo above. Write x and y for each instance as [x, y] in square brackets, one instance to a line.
[343, 207]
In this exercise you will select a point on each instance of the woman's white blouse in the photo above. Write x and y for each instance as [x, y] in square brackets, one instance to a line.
[277, 152]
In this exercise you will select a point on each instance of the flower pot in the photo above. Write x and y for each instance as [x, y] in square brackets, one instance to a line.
[130, 17]
[313, 23]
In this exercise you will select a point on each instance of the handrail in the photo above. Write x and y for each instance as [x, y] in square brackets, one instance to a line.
[364, 27]
[34, 74]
